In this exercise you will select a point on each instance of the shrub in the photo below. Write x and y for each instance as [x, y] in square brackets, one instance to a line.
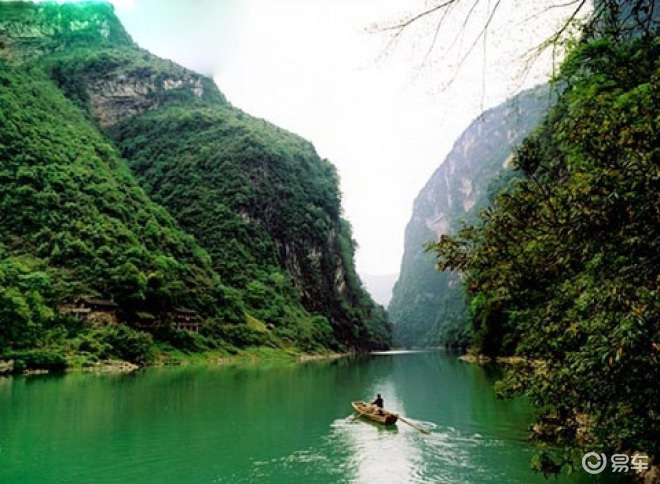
[127, 343]
[41, 359]
[237, 334]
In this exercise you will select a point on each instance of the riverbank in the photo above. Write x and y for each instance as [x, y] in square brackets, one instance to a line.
[250, 355]
[480, 359]
[246, 355]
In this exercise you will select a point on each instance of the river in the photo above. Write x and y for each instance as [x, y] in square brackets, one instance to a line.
[275, 423]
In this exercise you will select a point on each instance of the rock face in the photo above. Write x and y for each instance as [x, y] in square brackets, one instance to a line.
[131, 94]
[28, 30]
[114, 84]
[427, 306]
[120, 82]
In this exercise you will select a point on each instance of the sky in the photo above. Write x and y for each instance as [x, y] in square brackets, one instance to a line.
[384, 112]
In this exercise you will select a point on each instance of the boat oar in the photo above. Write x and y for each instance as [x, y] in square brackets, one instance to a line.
[355, 417]
[424, 431]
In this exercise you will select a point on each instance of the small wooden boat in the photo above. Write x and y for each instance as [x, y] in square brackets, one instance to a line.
[372, 412]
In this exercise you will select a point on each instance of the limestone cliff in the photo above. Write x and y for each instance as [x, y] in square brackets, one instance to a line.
[427, 306]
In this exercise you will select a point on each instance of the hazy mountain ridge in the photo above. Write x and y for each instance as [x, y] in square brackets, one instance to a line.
[380, 286]
[428, 306]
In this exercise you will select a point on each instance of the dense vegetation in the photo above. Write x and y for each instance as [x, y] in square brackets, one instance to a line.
[564, 269]
[428, 307]
[267, 209]
[74, 221]
[277, 269]
[28, 31]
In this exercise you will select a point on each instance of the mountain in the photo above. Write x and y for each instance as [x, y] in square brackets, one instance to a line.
[75, 222]
[380, 286]
[428, 307]
[129, 177]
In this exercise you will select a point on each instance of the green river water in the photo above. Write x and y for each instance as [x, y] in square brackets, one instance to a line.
[283, 423]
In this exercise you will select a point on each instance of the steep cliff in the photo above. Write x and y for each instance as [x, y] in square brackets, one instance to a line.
[428, 307]
[264, 205]
[257, 198]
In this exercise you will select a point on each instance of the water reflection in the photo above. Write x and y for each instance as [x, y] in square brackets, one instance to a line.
[380, 453]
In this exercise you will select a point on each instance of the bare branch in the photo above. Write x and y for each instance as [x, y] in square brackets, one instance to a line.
[548, 9]
[465, 22]
[568, 23]
[476, 40]
[406, 23]
[437, 32]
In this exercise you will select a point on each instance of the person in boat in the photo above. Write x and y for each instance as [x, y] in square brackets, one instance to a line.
[379, 404]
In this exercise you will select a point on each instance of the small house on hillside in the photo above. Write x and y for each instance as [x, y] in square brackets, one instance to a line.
[93, 311]
[186, 320]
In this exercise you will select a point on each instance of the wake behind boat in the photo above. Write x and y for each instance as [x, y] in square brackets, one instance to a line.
[372, 412]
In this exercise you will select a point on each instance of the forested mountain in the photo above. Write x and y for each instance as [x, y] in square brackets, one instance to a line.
[428, 307]
[101, 141]
[563, 269]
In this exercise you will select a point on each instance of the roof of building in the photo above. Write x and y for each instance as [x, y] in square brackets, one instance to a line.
[100, 302]
[185, 311]
[144, 315]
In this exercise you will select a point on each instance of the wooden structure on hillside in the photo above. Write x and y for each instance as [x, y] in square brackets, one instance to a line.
[186, 320]
[92, 311]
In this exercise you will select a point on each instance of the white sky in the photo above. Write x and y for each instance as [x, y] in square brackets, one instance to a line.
[311, 67]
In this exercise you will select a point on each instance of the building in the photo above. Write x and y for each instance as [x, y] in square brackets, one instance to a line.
[186, 320]
[92, 311]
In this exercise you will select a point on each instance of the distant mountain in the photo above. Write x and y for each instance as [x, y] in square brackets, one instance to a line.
[380, 286]
[220, 212]
[428, 307]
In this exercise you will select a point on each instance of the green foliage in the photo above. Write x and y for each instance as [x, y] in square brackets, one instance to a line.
[239, 335]
[265, 207]
[39, 359]
[184, 340]
[75, 69]
[127, 344]
[24, 289]
[74, 221]
[564, 267]
[54, 27]
[70, 203]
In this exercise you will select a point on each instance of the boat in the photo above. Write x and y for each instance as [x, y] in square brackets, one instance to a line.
[372, 412]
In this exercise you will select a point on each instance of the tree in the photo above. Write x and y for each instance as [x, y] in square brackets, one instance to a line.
[563, 268]
[616, 18]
